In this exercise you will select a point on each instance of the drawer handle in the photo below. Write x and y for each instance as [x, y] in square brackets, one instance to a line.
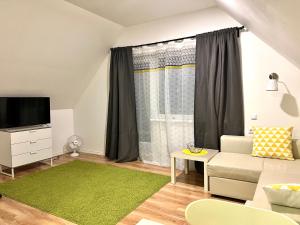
[33, 153]
[32, 142]
[32, 131]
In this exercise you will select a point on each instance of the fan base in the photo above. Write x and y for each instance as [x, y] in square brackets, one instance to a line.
[75, 154]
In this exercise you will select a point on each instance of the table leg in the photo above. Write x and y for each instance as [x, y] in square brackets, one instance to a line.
[205, 177]
[186, 166]
[13, 173]
[173, 170]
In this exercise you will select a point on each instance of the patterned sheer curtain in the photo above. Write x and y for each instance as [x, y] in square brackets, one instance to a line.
[164, 77]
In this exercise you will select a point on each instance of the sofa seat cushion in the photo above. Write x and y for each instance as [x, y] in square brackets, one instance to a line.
[235, 166]
[282, 166]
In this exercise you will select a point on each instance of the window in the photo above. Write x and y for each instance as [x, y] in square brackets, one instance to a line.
[177, 88]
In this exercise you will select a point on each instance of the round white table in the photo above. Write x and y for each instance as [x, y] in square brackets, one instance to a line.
[216, 212]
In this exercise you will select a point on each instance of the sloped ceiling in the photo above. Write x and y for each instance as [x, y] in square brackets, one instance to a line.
[274, 21]
[132, 12]
[51, 48]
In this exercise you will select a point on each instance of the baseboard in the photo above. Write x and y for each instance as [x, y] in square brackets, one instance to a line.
[90, 151]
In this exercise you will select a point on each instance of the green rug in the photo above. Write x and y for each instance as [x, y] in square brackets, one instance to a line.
[85, 193]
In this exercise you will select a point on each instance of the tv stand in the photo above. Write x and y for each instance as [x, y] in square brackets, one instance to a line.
[22, 146]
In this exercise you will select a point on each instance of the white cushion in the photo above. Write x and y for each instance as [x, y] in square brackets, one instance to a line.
[283, 194]
[260, 199]
[282, 166]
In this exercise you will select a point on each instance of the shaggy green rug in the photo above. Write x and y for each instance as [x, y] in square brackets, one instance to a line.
[85, 193]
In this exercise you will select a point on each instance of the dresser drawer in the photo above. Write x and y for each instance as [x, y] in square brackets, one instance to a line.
[39, 134]
[30, 157]
[20, 148]
[19, 160]
[24, 136]
[41, 154]
[19, 137]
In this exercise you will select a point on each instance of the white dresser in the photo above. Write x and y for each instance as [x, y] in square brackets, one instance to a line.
[24, 146]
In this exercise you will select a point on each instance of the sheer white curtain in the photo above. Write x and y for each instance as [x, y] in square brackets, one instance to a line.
[164, 87]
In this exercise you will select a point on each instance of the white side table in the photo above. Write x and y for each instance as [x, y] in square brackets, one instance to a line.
[180, 155]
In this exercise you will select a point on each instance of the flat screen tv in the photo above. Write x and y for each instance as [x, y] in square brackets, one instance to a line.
[24, 111]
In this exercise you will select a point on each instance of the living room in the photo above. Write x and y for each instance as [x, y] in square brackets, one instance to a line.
[149, 112]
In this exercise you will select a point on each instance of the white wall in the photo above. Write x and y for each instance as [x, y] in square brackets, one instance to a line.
[54, 48]
[62, 123]
[51, 48]
[258, 61]
[272, 108]
[91, 110]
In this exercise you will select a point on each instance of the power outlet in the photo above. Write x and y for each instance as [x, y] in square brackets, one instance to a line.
[254, 116]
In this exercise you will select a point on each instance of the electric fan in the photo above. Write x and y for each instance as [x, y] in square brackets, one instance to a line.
[74, 143]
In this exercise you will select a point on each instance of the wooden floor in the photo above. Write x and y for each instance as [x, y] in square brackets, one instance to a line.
[166, 206]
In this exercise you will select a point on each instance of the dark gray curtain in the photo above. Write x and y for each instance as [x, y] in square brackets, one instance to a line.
[218, 88]
[121, 135]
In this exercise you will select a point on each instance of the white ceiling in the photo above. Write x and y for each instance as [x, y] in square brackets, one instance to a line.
[274, 21]
[132, 12]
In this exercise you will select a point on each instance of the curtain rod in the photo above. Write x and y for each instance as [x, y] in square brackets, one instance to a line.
[241, 29]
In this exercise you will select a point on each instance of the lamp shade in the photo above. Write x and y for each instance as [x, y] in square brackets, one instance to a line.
[272, 85]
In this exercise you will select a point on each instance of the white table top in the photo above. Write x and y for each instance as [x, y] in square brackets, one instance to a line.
[204, 158]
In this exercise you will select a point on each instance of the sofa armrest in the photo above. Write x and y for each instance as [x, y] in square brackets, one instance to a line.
[236, 144]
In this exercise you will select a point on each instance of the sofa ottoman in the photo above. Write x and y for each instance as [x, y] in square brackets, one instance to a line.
[234, 171]
[235, 166]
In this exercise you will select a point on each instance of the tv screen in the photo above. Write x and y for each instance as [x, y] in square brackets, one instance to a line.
[24, 111]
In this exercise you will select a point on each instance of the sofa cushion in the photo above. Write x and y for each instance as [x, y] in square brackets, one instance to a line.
[237, 144]
[235, 166]
[283, 194]
[273, 142]
[282, 166]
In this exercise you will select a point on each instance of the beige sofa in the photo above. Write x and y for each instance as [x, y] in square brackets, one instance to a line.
[235, 173]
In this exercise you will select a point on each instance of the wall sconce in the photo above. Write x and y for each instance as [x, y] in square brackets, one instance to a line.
[272, 84]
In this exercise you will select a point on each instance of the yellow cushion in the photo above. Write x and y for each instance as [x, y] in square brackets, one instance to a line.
[188, 152]
[283, 194]
[273, 142]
